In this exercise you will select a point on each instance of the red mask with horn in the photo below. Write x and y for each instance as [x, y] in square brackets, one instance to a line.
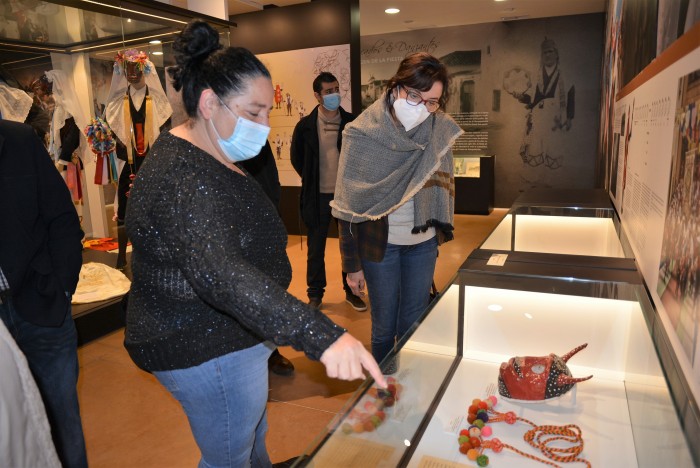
[537, 378]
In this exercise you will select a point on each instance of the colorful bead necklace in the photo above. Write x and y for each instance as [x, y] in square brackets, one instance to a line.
[374, 413]
[473, 444]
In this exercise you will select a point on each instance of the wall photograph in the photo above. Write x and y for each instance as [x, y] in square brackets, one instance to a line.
[525, 91]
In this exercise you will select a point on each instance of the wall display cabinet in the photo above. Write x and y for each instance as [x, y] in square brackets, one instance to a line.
[561, 222]
[81, 39]
[625, 411]
[474, 183]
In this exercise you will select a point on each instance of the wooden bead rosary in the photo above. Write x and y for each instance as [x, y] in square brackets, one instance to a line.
[473, 444]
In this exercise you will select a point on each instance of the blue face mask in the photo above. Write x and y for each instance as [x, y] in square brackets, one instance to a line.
[331, 101]
[245, 142]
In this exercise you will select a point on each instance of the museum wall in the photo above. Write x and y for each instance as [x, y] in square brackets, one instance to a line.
[494, 68]
[650, 165]
[296, 42]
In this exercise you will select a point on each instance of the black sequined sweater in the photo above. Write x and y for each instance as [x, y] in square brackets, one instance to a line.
[210, 269]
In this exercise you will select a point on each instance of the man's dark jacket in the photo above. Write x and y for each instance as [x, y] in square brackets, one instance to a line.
[40, 235]
[264, 170]
[304, 155]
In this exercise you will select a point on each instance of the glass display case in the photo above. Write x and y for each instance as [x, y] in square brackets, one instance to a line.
[571, 222]
[77, 41]
[474, 183]
[625, 412]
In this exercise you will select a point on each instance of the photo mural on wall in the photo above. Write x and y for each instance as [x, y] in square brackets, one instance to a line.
[526, 92]
[679, 267]
[655, 186]
[293, 73]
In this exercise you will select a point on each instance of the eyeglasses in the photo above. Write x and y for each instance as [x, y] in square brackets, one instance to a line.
[414, 98]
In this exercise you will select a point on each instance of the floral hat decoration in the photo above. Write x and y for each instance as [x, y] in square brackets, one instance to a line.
[140, 58]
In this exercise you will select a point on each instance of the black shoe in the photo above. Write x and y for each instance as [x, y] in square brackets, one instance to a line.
[285, 464]
[315, 302]
[356, 302]
[280, 365]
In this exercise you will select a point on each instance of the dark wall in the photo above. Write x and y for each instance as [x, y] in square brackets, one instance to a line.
[316, 24]
[319, 23]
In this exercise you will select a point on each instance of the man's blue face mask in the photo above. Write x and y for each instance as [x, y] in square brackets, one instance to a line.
[331, 101]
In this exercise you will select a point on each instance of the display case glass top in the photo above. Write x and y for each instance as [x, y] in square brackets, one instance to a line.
[625, 411]
[571, 222]
[56, 26]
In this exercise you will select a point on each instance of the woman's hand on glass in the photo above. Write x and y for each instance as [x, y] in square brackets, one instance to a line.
[346, 358]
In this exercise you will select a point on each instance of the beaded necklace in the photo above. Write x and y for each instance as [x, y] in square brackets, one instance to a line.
[473, 444]
[375, 408]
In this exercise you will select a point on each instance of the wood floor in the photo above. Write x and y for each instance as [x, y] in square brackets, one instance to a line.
[131, 421]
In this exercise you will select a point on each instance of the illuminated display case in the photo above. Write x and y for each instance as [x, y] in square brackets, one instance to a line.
[474, 183]
[625, 412]
[570, 222]
[81, 38]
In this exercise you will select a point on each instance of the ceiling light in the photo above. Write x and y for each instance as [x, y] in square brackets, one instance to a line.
[391, 11]
[157, 53]
[495, 307]
[154, 41]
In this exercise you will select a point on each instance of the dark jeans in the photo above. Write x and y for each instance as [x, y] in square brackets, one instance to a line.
[52, 355]
[316, 243]
[399, 290]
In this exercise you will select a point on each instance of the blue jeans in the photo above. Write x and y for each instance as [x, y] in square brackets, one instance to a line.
[52, 355]
[225, 402]
[316, 254]
[399, 291]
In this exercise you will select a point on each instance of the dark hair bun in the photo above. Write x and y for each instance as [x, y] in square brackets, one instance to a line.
[195, 43]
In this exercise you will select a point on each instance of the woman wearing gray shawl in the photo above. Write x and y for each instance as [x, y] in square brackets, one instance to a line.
[394, 197]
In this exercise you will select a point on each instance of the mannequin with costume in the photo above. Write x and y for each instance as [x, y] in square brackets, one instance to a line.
[137, 111]
[54, 92]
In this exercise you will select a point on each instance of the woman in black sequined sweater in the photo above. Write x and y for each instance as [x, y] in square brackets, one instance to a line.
[208, 301]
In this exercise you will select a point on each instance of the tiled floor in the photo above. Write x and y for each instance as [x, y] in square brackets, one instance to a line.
[131, 421]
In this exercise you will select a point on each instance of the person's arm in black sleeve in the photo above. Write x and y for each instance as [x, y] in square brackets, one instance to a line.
[349, 251]
[70, 140]
[264, 170]
[296, 150]
[60, 218]
[223, 278]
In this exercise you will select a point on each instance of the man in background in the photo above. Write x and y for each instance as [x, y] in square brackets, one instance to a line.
[315, 151]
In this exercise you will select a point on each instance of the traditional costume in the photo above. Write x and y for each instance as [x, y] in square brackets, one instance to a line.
[135, 115]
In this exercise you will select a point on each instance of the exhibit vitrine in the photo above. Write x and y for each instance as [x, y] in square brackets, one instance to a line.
[572, 222]
[61, 56]
[489, 323]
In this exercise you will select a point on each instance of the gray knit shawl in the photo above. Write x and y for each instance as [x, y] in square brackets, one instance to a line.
[382, 166]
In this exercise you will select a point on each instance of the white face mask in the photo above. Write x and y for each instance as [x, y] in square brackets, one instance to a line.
[410, 116]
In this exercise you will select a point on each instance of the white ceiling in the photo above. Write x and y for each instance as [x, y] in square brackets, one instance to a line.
[422, 14]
